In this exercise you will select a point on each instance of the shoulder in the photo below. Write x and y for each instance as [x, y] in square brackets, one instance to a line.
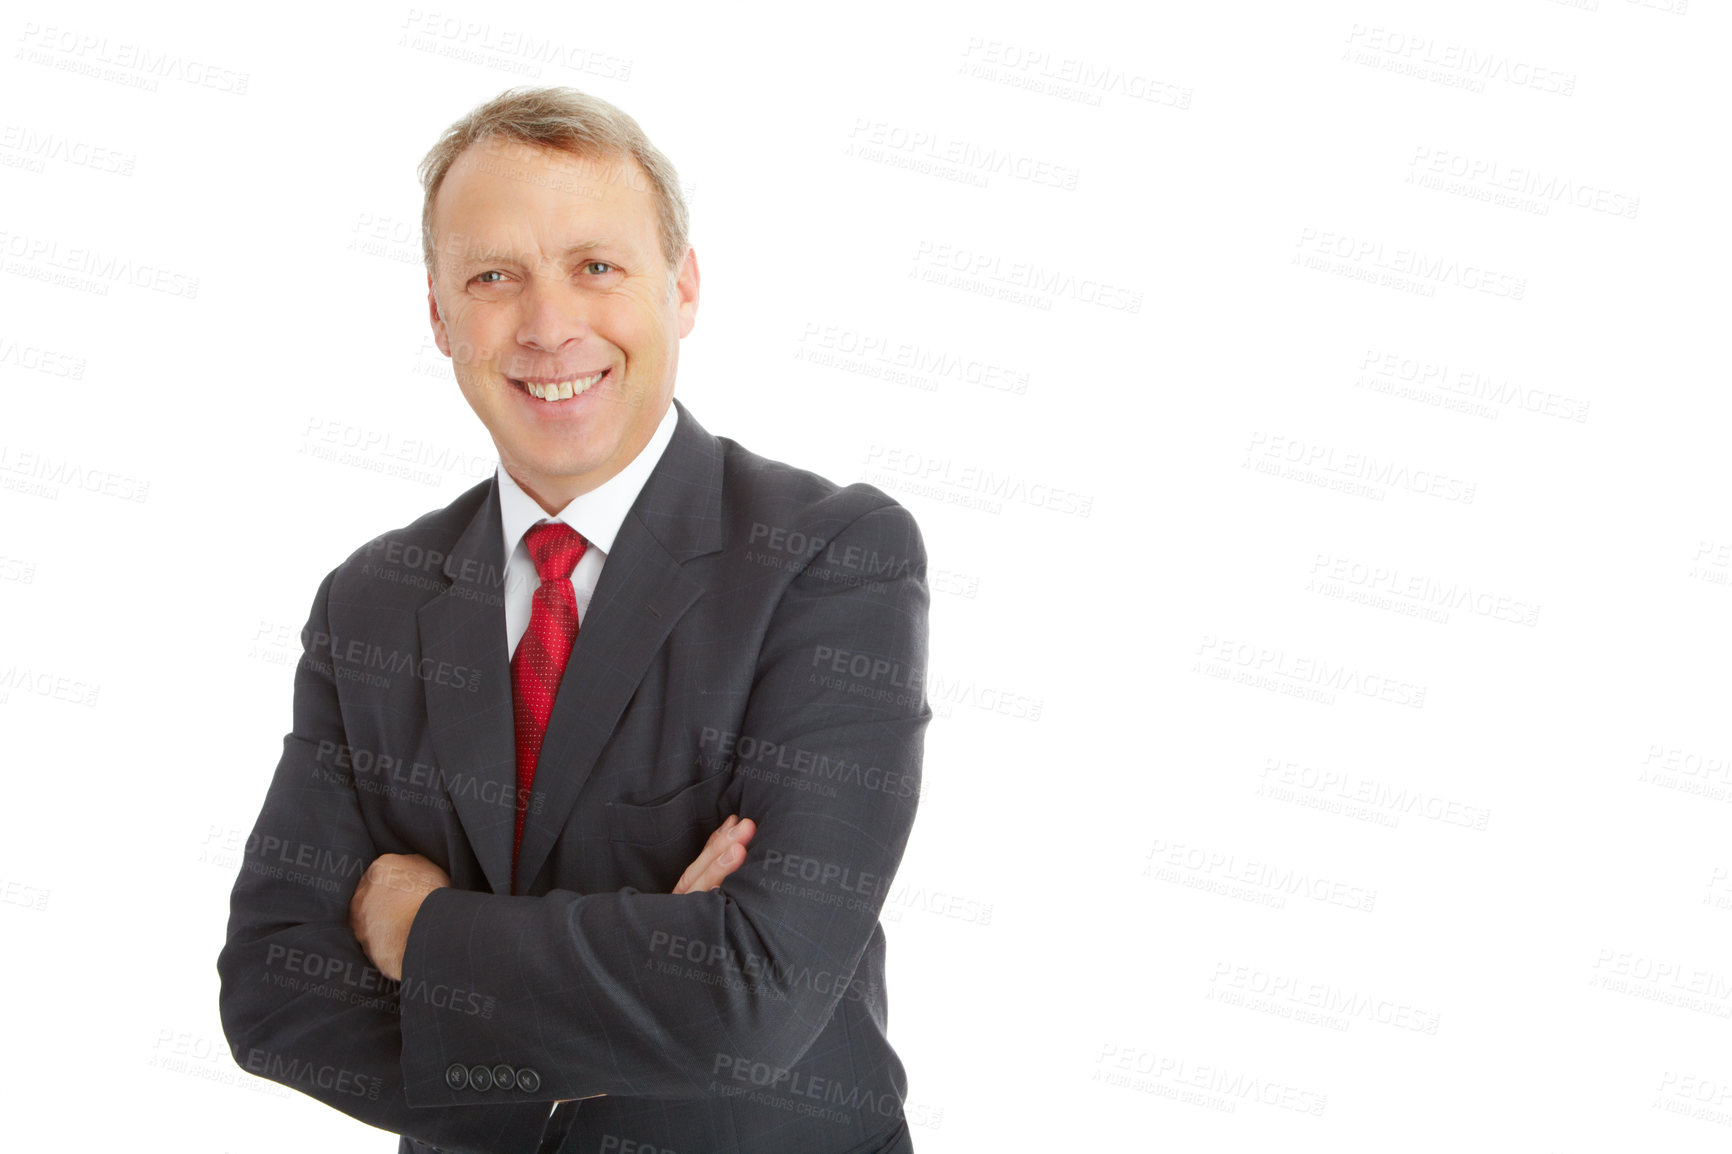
[775, 505]
[412, 557]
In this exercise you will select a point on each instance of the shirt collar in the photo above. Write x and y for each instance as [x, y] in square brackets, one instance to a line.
[597, 514]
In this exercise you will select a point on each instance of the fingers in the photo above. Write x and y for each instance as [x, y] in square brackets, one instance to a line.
[386, 900]
[723, 853]
[719, 842]
[730, 857]
[357, 901]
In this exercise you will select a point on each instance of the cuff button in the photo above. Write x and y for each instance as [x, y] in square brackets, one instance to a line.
[528, 1081]
[504, 1077]
[457, 1076]
[481, 1078]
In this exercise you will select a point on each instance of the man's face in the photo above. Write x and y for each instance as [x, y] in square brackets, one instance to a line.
[548, 272]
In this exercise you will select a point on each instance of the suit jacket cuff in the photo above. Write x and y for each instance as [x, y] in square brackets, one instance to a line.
[455, 1052]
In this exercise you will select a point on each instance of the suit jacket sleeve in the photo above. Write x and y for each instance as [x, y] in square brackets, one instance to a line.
[300, 1003]
[657, 995]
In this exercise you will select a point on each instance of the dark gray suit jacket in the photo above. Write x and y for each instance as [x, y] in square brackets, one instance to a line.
[756, 644]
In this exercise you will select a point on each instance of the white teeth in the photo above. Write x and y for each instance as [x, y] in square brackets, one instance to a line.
[561, 390]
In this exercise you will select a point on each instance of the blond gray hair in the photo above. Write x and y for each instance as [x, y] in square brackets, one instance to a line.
[564, 120]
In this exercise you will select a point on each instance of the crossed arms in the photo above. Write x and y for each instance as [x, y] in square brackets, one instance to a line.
[394, 886]
[567, 980]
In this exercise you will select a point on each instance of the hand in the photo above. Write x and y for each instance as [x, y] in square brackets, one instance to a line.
[724, 853]
[385, 903]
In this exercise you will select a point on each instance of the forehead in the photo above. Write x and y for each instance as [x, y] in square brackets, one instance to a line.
[502, 193]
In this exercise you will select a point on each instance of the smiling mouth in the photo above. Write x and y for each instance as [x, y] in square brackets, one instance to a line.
[560, 390]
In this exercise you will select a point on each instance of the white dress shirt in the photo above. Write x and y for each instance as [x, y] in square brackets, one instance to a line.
[597, 515]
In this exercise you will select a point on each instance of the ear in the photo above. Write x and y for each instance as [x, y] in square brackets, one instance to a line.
[686, 291]
[440, 336]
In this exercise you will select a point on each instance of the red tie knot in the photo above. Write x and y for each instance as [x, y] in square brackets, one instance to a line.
[555, 547]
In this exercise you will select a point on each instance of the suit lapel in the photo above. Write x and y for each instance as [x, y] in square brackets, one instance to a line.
[643, 592]
[470, 722]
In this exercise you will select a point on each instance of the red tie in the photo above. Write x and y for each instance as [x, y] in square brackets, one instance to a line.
[539, 661]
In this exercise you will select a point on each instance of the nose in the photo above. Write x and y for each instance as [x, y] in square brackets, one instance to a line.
[553, 315]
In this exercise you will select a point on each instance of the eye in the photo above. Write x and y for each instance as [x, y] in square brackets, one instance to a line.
[597, 267]
[490, 273]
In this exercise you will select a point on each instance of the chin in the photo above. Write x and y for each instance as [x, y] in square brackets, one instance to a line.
[558, 464]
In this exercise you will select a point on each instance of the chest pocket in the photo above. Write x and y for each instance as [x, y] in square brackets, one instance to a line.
[666, 835]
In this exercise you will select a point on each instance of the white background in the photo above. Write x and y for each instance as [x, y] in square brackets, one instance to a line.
[1263, 811]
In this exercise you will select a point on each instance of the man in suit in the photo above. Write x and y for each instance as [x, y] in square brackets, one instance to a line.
[497, 898]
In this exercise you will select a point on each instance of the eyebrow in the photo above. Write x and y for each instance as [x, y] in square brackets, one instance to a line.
[503, 256]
